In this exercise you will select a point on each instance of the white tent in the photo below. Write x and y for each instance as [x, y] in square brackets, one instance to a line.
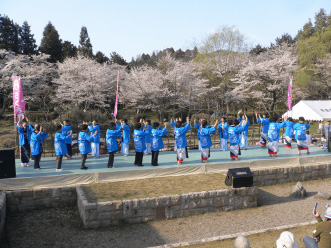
[311, 110]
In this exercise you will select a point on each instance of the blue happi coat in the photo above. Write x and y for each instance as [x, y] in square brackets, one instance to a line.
[246, 126]
[264, 124]
[126, 134]
[148, 135]
[234, 132]
[21, 132]
[43, 136]
[35, 143]
[65, 130]
[223, 132]
[139, 140]
[289, 129]
[156, 137]
[180, 136]
[300, 130]
[204, 133]
[92, 129]
[111, 139]
[84, 142]
[273, 132]
[60, 144]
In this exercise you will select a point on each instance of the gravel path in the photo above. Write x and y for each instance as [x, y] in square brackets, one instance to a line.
[63, 228]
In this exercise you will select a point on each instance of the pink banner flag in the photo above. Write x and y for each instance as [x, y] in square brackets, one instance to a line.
[19, 103]
[289, 96]
[116, 100]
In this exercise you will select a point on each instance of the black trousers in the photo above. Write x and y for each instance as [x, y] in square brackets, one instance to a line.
[139, 158]
[36, 159]
[155, 156]
[59, 161]
[84, 157]
[25, 153]
[111, 159]
[69, 149]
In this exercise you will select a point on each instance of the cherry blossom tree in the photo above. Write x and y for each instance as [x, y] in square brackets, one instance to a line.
[85, 83]
[265, 77]
[36, 75]
[172, 83]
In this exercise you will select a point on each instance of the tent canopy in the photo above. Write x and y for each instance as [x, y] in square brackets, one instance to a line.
[311, 110]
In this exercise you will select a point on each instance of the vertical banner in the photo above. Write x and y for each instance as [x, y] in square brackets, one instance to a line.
[289, 96]
[18, 98]
[116, 100]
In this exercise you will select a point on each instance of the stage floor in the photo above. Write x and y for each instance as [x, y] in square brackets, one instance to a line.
[254, 157]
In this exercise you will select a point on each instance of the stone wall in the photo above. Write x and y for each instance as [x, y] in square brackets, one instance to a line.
[3, 211]
[110, 213]
[22, 200]
[291, 174]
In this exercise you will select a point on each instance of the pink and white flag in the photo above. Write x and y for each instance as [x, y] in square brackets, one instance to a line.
[116, 100]
[289, 96]
[19, 103]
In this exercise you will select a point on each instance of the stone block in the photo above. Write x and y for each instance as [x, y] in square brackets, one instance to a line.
[104, 206]
[169, 212]
[91, 215]
[47, 193]
[175, 200]
[238, 203]
[27, 193]
[163, 201]
[194, 203]
[117, 215]
[127, 209]
[160, 213]
[148, 202]
[135, 204]
[217, 202]
[135, 220]
[104, 216]
[213, 193]
[117, 205]
[90, 206]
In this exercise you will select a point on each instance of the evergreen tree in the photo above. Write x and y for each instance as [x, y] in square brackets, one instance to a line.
[69, 50]
[285, 38]
[101, 58]
[257, 50]
[51, 43]
[320, 20]
[117, 59]
[28, 43]
[85, 46]
[9, 35]
[307, 31]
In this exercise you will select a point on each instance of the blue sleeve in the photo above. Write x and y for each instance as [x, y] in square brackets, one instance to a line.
[173, 123]
[265, 121]
[219, 127]
[241, 129]
[259, 120]
[239, 119]
[226, 126]
[196, 125]
[187, 127]
[20, 129]
[126, 128]
[307, 126]
[280, 125]
[212, 130]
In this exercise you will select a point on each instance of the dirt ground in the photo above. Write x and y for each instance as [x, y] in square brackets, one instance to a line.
[63, 227]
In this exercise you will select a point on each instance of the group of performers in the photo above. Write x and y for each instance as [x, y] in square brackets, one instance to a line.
[147, 138]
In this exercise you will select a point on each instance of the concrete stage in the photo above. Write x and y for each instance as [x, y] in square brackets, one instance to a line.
[254, 157]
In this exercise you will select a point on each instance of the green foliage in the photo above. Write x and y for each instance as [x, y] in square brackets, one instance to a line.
[85, 46]
[314, 44]
[51, 43]
[9, 35]
[69, 50]
[117, 59]
[28, 43]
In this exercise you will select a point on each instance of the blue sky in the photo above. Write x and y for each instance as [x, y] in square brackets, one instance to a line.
[132, 27]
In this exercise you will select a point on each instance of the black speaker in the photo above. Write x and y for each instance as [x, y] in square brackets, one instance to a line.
[240, 177]
[7, 163]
